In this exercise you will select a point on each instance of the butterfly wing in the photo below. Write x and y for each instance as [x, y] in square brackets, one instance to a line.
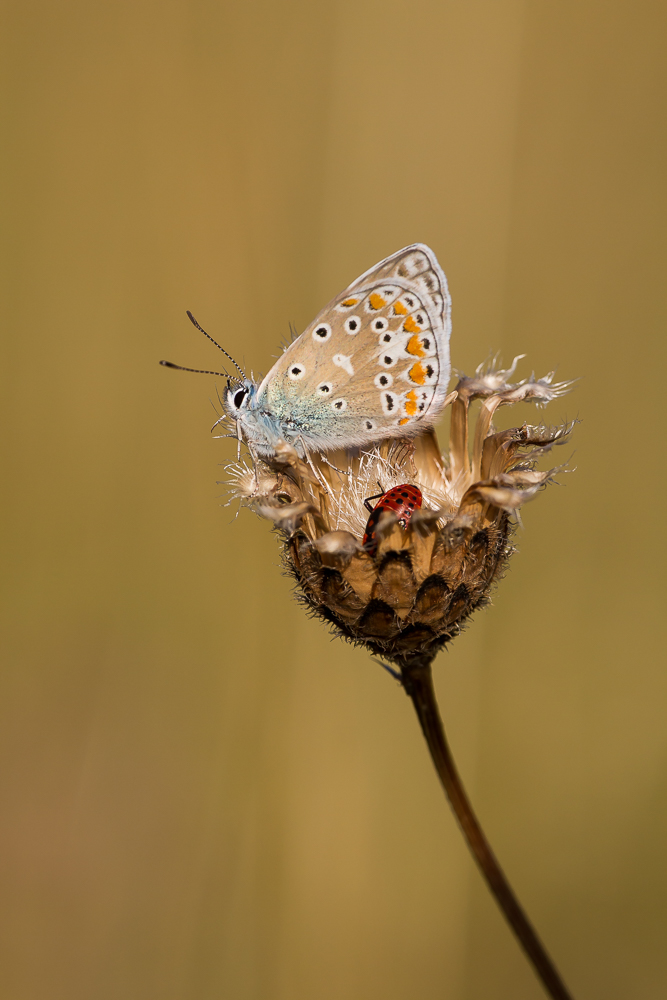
[373, 364]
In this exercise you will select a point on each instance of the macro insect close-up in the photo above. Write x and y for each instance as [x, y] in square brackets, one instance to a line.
[323, 423]
[403, 500]
[374, 364]
[335, 669]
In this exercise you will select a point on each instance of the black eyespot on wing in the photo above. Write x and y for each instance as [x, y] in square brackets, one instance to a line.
[369, 425]
[390, 401]
[429, 370]
[427, 344]
[383, 380]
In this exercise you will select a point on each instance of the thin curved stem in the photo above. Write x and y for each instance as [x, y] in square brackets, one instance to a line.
[418, 682]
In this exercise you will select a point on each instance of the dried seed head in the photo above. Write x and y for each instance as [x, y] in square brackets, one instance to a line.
[420, 584]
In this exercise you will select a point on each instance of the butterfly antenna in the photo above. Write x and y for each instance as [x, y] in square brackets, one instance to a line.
[198, 371]
[202, 330]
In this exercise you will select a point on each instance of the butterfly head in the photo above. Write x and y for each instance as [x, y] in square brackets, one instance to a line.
[239, 396]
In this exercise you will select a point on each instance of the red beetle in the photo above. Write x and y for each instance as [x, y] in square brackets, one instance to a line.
[401, 500]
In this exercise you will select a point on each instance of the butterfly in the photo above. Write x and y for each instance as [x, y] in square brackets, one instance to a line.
[374, 364]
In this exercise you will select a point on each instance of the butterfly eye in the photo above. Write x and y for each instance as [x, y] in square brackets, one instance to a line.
[238, 397]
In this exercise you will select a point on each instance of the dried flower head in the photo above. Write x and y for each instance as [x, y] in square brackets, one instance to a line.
[410, 594]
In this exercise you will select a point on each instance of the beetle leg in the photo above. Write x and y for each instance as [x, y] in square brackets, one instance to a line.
[367, 501]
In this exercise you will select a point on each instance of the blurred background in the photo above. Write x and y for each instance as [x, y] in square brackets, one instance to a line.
[203, 795]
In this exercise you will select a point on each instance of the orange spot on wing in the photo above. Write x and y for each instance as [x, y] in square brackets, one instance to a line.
[403, 420]
[350, 302]
[410, 326]
[399, 309]
[376, 301]
[418, 373]
[414, 347]
[411, 403]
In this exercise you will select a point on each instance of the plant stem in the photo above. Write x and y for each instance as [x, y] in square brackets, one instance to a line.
[418, 682]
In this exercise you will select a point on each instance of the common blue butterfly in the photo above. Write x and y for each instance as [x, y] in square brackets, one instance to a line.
[374, 364]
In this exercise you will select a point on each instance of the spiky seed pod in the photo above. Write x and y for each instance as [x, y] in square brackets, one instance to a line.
[414, 592]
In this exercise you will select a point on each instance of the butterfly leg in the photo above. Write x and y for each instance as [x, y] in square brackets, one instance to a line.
[318, 476]
[238, 448]
[254, 460]
[330, 464]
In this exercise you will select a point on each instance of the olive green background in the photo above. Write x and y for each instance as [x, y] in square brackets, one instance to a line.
[203, 795]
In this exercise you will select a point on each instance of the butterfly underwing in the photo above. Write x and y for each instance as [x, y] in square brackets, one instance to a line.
[374, 364]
